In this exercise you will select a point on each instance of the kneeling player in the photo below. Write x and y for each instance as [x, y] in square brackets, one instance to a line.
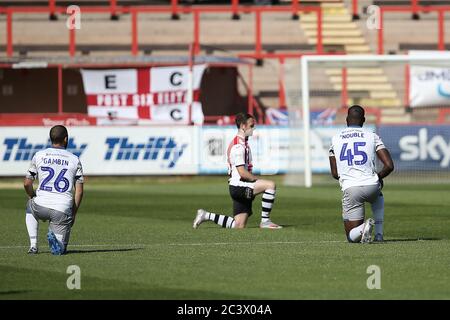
[357, 150]
[59, 172]
[243, 185]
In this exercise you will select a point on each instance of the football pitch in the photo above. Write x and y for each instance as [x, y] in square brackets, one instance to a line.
[133, 239]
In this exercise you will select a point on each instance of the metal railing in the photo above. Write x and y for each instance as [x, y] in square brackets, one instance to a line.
[258, 52]
[176, 8]
[441, 10]
[414, 5]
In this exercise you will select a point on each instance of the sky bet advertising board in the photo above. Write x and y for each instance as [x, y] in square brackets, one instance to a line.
[427, 147]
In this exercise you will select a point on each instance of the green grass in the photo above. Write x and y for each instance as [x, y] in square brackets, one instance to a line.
[134, 240]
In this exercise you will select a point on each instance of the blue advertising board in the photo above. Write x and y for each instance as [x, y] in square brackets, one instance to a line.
[418, 146]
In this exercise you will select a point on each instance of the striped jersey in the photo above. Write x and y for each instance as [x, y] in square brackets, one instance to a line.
[238, 154]
[57, 170]
[355, 151]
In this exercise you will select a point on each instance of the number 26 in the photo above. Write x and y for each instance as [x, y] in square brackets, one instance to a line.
[59, 179]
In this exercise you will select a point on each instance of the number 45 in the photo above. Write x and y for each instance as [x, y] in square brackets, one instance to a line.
[347, 154]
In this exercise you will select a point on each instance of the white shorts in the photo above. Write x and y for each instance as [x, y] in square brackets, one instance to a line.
[60, 223]
[354, 198]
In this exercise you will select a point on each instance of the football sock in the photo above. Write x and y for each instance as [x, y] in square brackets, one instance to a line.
[378, 214]
[32, 227]
[356, 233]
[220, 219]
[268, 199]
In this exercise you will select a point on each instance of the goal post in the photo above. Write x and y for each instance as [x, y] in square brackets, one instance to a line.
[382, 84]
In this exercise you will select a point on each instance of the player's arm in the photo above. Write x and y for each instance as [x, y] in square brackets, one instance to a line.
[28, 185]
[29, 179]
[78, 197]
[245, 174]
[388, 164]
[333, 167]
[385, 157]
[238, 159]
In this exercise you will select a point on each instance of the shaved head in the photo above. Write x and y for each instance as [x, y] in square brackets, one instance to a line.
[355, 116]
[58, 135]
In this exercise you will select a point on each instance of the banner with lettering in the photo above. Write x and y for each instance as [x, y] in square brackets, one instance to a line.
[156, 95]
[429, 85]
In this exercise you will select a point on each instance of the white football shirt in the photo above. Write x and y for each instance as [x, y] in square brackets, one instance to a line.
[355, 151]
[57, 171]
[239, 154]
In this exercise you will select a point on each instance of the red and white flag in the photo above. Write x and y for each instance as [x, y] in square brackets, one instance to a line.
[143, 95]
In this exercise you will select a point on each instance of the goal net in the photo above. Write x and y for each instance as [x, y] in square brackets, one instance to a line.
[406, 98]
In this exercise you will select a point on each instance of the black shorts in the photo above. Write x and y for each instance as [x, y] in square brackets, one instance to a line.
[242, 199]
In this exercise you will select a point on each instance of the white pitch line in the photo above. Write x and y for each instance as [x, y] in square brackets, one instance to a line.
[252, 243]
[189, 244]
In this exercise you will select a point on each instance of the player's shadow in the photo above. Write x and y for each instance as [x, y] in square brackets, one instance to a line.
[412, 239]
[101, 250]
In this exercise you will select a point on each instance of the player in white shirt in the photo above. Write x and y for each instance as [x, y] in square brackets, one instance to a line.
[353, 154]
[58, 195]
[243, 185]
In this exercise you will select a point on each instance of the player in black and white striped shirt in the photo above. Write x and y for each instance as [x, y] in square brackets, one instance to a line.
[243, 185]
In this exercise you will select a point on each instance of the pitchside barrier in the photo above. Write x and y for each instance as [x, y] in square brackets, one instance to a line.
[196, 150]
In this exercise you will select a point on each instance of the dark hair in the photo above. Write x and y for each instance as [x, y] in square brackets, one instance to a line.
[355, 112]
[58, 134]
[241, 118]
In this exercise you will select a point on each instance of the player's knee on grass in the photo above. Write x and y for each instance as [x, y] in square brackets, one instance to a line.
[61, 230]
[240, 221]
[351, 225]
[239, 225]
[350, 240]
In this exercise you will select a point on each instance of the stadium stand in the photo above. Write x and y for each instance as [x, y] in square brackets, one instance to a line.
[400, 35]
[166, 37]
[339, 29]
